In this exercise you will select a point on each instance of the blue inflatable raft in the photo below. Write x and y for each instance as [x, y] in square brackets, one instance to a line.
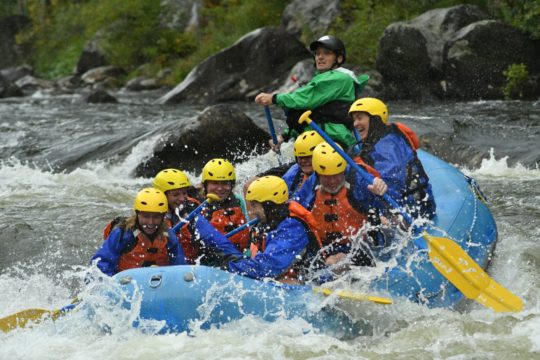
[186, 296]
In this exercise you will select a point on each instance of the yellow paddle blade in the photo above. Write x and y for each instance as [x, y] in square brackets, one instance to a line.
[344, 294]
[22, 318]
[466, 275]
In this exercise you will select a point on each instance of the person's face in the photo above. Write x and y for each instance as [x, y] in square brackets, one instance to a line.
[361, 123]
[149, 221]
[221, 188]
[256, 210]
[305, 164]
[325, 59]
[176, 197]
[332, 183]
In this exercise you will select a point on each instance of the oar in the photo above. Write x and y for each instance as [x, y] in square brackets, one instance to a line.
[453, 262]
[209, 198]
[33, 316]
[466, 275]
[272, 130]
[242, 227]
[349, 295]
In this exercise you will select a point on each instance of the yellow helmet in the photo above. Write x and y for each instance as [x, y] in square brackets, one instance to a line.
[219, 170]
[170, 179]
[327, 161]
[151, 200]
[372, 106]
[268, 188]
[305, 143]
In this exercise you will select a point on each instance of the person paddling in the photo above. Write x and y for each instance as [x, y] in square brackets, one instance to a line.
[175, 185]
[287, 244]
[329, 95]
[389, 150]
[343, 204]
[228, 213]
[142, 241]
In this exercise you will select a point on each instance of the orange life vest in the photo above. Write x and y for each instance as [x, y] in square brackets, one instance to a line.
[145, 252]
[227, 216]
[337, 220]
[411, 136]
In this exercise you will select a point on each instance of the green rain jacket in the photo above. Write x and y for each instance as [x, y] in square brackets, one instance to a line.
[334, 90]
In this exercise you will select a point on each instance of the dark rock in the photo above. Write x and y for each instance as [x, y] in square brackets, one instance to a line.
[10, 52]
[262, 57]
[9, 89]
[219, 131]
[316, 15]
[410, 54]
[92, 57]
[17, 72]
[477, 55]
[99, 96]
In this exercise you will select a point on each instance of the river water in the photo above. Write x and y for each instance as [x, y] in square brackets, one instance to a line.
[66, 169]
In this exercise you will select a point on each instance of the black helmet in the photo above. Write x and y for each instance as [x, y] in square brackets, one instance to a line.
[331, 43]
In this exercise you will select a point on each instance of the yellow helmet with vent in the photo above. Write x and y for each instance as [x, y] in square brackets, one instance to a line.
[151, 200]
[268, 188]
[327, 161]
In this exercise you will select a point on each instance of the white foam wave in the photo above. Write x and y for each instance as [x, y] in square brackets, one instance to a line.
[499, 168]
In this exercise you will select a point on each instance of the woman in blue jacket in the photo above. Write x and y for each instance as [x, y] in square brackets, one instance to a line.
[141, 241]
[288, 246]
[391, 150]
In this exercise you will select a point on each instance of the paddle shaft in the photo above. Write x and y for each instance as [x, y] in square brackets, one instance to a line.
[242, 227]
[270, 124]
[190, 217]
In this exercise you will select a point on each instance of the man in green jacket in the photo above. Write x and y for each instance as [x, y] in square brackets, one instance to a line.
[328, 95]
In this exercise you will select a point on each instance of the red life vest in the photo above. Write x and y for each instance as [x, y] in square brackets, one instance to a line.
[145, 252]
[337, 220]
[184, 236]
[226, 216]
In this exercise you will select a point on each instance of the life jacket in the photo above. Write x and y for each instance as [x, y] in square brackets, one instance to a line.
[337, 219]
[144, 252]
[184, 236]
[226, 216]
[410, 135]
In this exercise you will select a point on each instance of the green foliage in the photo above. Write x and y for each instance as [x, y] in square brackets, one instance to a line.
[130, 35]
[223, 23]
[523, 14]
[517, 77]
[362, 23]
